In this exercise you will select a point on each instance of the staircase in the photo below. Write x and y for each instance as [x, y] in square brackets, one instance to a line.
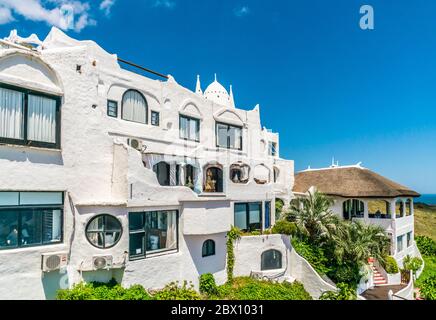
[379, 280]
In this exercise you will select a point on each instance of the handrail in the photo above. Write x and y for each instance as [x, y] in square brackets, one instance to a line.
[142, 68]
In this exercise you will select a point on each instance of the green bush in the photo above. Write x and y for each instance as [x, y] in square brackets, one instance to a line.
[412, 264]
[208, 285]
[173, 291]
[103, 291]
[245, 288]
[426, 245]
[346, 292]
[284, 227]
[313, 254]
[428, 288]
[345, 273]
[391, 265]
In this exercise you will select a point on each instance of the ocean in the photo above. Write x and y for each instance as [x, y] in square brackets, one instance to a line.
[429, 199]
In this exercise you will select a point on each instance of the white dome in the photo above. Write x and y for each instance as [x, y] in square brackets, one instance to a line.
[217, 93]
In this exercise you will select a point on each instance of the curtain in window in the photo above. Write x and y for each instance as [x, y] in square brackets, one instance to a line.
[193, 131]
[134, 107]
[41, 121]
[171, 230]
[241, 216]
[184, 128]
[11, 114]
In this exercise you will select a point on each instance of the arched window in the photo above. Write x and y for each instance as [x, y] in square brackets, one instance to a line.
[378, 209]
[162, 170]
[353, 209]
[190, 176]
[208, 248]
[239, 173]
[103, 231]
[134, 107]
[399, 208]
[271, 259]
[408, 207]
[261, 174]
[213, 179]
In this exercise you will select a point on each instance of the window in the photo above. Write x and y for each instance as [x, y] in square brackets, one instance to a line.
[189, 128]
[228, 136]
[400, 243]
[213, 180]
[104, 231]
[239, 173]
[190, 176]
[155, 118]
[30, 219]
[134, 107]
[408, 207]
[112, 109]
[353, 209]
[248, 216]
[152, 232]
[208, 248]
[409, 239]
[271, 260]
[272, 149]
[399, 209]
[276, 174]
[261, 174]
[162, 170]
[267, 214]
[29, 118]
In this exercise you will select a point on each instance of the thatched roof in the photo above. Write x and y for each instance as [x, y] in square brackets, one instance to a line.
[350, 182]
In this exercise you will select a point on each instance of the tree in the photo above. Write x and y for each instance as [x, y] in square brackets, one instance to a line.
[360, 241]
[313, 217]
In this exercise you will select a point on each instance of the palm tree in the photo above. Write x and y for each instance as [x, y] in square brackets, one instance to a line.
[313, 217]
[358, 242]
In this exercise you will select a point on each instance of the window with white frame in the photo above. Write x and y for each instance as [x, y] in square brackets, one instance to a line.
[189, 128]
[272, 149]
[30, 219]
[228, 136]
[29, 118]
[400, 243]
[134, 107]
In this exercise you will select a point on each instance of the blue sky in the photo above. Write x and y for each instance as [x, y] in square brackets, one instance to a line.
[330, 88]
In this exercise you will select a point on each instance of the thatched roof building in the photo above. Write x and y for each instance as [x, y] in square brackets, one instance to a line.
[350, 182]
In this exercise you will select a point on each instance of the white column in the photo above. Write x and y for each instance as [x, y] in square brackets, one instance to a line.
[365, 210]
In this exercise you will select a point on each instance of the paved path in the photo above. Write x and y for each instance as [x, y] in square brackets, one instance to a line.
[381, 293]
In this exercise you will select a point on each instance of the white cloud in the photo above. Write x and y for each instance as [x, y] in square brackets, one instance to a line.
[106, 6]
[64, 14]
[5, 15]
[241, 11]
[169, 4]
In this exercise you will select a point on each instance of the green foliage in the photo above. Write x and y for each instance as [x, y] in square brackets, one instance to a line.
[174, 291]
[208, 285]
[313, 254]
[391, 265]
[284, 227]
[345, 273]
[245, 288]
[279, 204]
[346, 292]
[428, 288]
[412, 264]
[429, 270]
[103, 291]
[313, 217]
[426, 245]
[233, 235]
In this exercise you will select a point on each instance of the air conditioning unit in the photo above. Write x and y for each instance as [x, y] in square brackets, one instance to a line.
[136, 144]
[54, 261]
[102, 262]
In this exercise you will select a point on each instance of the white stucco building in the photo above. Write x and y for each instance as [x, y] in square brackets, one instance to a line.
[105, 173]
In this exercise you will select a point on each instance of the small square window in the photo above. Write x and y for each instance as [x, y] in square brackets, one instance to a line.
[112, 109]
[155, 118]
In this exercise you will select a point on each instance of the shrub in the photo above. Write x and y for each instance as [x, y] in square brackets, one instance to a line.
[346, 292]
[391, 265]
[173, 291]
[412, 264]
[313, 254]
[245, 288]
[426, 245]
[208, 285]
[428, 288]
[233, 235]
[103, 291]
[345, 273]
[284, 227]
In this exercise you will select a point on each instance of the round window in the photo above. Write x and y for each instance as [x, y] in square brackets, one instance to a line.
[103, 231]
